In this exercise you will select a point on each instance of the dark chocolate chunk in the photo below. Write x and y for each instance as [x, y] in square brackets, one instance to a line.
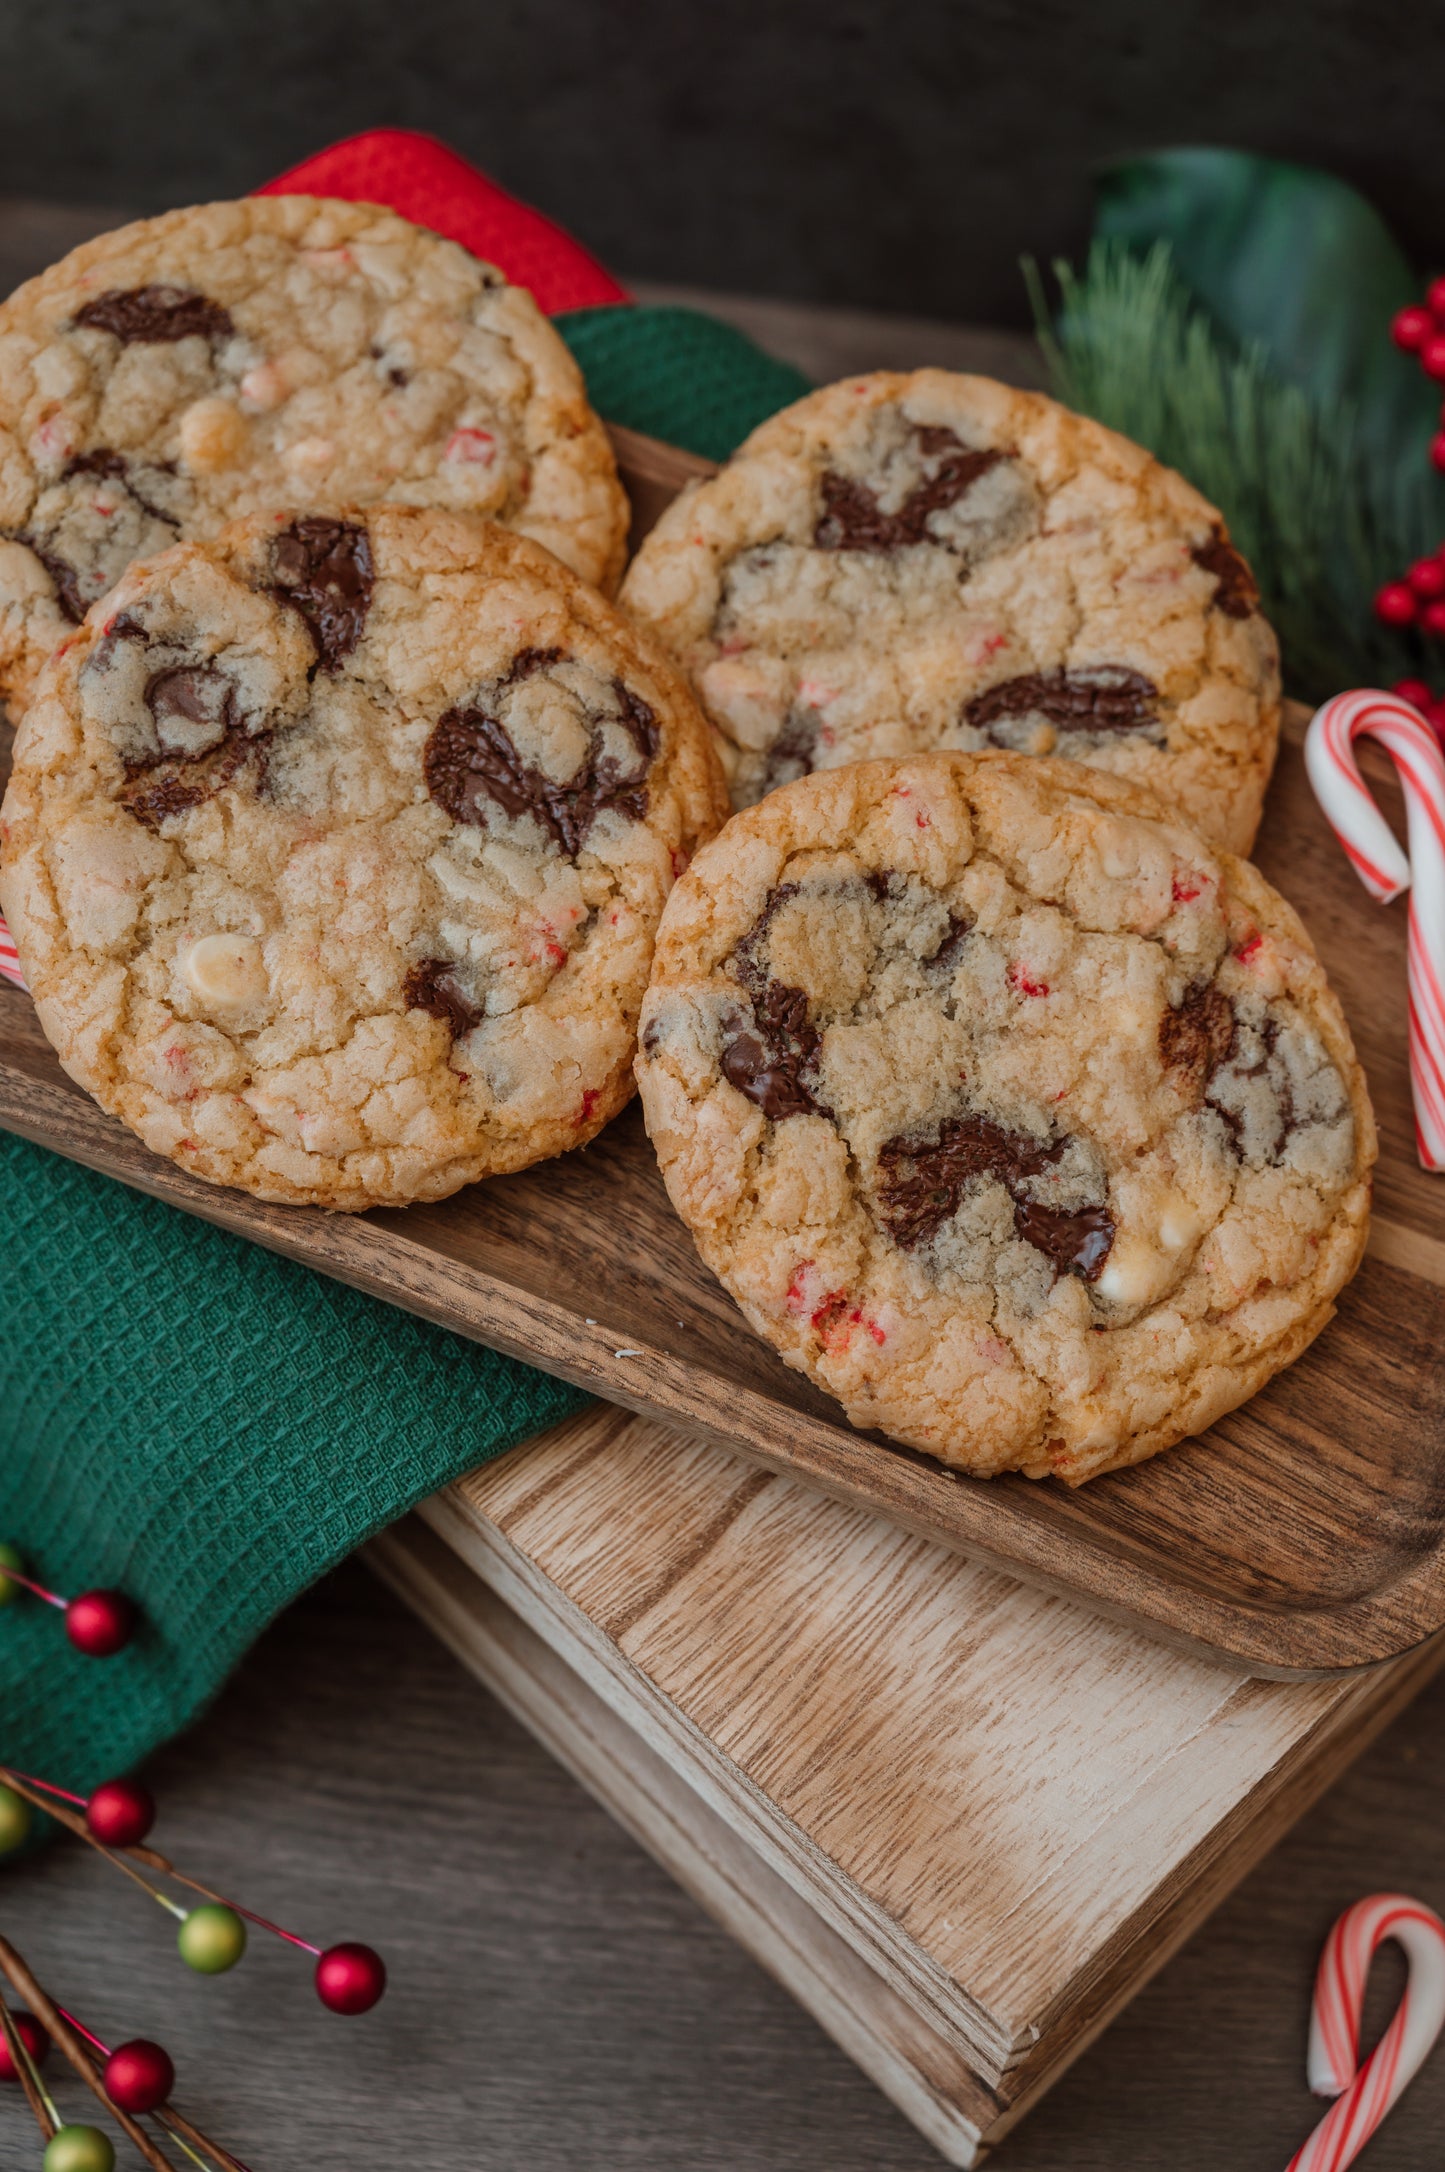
[922, 1181]
[198, 693]
[433, 986]
[1237, 593]
[470, 758]
[791, 754]
[169, 782]
[1101, 698]
[1198, 1035]
[64, 578]
[852, 519]
[960, 927]
[768, 1063]
[323, 568]
[168, 785]
[155, 313]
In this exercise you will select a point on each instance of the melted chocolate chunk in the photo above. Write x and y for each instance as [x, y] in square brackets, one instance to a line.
[1237, 593]
[323, 569]
[791, 754]
[155, 313]
[1103, 698]
[852, 519]
[433, 986]
[768, 1064]
[64, 578]
[1198, 1035]
[922, 1181]
[169, 782]
[767, 1060]
[197, 693]
[171, 786]
[470, 759]
[960, 927]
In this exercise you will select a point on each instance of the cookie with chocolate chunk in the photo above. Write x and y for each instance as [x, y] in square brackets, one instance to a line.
[173, 376]
[903, 563]
[335, 850]
[1012, 1113]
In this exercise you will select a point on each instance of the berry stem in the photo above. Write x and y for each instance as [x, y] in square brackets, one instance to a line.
[169, 2117]
[157, 1861]
[74, 1824]
[51, 1598]
[36, 2095]
[51, 1789]
[69, 2044]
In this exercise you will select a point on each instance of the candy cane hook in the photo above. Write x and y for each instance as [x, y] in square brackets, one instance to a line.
[1384, 870]
[1367, 2094]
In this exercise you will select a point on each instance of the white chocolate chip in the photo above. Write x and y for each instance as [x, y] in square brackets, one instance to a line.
[1132, 1272]
[225, 971]
[1179, 1224]
[264, 387]
[747, 696]
[213, 436]
[310, 454]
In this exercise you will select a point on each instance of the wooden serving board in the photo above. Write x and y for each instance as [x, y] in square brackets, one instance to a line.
[960, 1820]
[1303, 1534]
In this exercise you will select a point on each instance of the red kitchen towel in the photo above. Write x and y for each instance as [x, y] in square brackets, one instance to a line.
[434, 186]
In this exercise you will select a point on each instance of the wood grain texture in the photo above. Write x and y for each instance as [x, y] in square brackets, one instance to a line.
[1303, 1534]
[1007, 1810]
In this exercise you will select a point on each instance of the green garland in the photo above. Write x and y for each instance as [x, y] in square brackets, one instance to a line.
[1321, 523]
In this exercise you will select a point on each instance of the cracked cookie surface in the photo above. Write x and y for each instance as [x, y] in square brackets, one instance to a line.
[1012, 1113]
[905, 563]
[336, 847]
[190, 369]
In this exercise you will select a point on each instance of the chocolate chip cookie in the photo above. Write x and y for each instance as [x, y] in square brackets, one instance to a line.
[903, 563]
[336, 847]
[1009, 1111]
[190, 369]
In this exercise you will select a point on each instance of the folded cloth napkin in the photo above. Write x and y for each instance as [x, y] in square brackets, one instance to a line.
[188, 1417]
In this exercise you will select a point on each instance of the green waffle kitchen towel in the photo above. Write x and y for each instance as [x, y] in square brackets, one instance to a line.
[209, 1427]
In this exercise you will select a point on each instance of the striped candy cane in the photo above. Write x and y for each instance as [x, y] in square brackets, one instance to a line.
[1366, 2094]
[1384, 870]
[9, 958]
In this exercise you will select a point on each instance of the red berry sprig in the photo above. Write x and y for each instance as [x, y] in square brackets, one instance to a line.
[1418, 599]
[98, 1623]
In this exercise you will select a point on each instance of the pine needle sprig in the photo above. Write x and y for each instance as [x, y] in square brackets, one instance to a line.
[1321, 527]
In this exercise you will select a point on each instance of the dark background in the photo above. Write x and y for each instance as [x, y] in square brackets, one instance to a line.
[899, 154]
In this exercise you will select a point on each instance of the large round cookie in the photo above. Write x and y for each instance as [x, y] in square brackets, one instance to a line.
[170, 377]
[1008, 1111]
[902, 563]
[335, 850]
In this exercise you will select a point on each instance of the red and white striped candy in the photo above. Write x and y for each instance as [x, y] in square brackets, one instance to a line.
[1366, 2094]
[1384, 870]
[9, 958]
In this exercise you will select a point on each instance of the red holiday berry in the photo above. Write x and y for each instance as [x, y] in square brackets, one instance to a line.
[32, 2036]
[1432, 618]
[100, 1622]
[1417, 693]
[1396, 604]
[1437, 450]
[350, 1978]
[1435, 298]
[120, 1813]
[1432, 357]
[1427, 578]
[139, 2075]
[1410, 328]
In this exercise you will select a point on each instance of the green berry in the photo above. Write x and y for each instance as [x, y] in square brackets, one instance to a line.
[212, 1939]
[78, 2149]
[14, 1820]
[10, 1558]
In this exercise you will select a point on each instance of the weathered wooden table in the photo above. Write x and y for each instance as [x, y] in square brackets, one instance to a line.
[557, 2001]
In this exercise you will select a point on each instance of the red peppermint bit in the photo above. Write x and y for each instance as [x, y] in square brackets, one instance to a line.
[477, 447]
[1249, 948]
[591, 1095]
[556, 952]
[921, 821]
[1187, 886]
[876, 1332]
[797, 1294]
[832, 1324]
[1023, 983]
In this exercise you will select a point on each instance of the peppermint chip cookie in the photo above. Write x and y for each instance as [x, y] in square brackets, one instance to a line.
[1011, 1113]
[336, 847]
[903, 563]
[168, 378]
